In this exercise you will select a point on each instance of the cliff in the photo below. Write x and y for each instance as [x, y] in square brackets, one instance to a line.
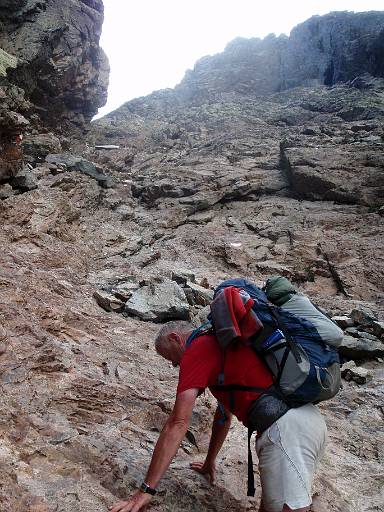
[57, 65]
[325, 50]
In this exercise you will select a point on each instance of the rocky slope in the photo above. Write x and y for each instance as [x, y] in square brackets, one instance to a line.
[203, 186]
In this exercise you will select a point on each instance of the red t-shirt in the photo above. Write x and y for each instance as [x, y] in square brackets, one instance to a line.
[201, 365]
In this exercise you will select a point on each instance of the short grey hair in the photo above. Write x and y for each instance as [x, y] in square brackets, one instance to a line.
[179, 326]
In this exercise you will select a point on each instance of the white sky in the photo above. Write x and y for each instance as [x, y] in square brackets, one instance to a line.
[151, 43]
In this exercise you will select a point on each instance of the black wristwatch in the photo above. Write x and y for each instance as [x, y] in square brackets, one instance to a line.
[145, 488]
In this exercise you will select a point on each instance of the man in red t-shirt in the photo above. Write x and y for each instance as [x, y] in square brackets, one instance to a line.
[288, 451]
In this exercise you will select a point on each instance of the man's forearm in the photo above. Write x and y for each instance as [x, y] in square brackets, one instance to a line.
[218, 435]
[166, 448]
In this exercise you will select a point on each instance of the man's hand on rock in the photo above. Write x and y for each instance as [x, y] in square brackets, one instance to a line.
[208, 469]
[138, 501]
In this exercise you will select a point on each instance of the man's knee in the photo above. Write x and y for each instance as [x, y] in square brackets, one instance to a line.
[286, 509]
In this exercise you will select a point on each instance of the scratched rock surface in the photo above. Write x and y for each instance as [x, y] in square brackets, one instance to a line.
[83, 394]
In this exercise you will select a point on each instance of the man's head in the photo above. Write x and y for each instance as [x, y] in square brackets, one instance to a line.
[170, 341]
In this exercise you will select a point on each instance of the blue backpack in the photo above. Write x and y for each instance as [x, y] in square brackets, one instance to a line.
[305, 368]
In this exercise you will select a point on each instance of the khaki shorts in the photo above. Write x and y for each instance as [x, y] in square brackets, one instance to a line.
[288, 454]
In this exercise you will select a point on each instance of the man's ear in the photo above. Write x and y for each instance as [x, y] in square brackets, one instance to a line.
[175, 338]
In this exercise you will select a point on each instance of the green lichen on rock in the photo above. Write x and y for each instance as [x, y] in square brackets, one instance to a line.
[6, 61]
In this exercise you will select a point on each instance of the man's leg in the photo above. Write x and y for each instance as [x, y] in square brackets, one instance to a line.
[288, 453]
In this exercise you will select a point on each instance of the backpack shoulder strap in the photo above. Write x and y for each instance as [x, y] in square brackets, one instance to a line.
[276, 315]
[204, 328]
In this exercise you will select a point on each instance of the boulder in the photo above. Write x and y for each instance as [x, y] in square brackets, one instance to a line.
[332, 172]
[182, 276]
[159, 302]
[201, 296]
[353, 331]
[343, 321]
[6, 61]
[201, 217]
[368, 336]
[201, 316]
[37, 147]
[347, 366]
[24, 181]
[363, 316]
[108, 301]
[360, 348]
[378, 329]
[76, 163]
[124, 290]
[6, 191]
[162, 188]
[349, 371]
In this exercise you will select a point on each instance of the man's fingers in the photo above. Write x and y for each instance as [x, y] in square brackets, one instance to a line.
[129, 507]
[138, 507]
[196, 465]
[138, 501]
[122, 506]
[118, 507]
[208, 472]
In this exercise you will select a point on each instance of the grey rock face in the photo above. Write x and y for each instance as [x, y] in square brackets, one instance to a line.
[159, 302]
[322, 50]
[60, 66]
[334, 48]
[339, 174]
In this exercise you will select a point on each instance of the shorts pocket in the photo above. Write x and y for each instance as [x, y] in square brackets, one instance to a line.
[270, 437]
[274, 435]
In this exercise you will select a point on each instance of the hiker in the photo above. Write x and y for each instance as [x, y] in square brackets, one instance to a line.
[288, 449]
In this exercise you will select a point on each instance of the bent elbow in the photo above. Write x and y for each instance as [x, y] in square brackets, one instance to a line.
[178, 422]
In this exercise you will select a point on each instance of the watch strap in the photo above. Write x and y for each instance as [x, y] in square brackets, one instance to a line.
[146, 488]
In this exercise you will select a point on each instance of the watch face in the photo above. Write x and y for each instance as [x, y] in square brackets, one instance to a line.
[145, 488]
